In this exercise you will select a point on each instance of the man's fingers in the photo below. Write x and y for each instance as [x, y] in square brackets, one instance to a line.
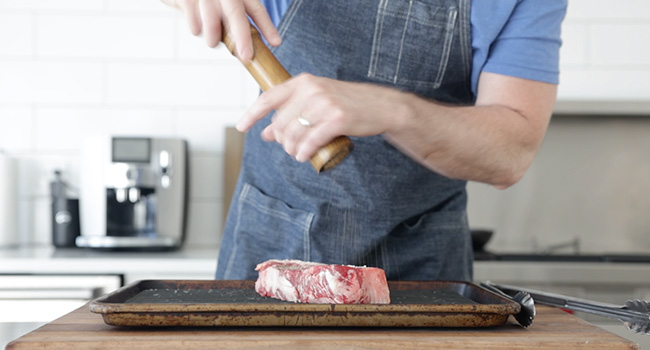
[190, 9]
[211, 19]
[272, 99]
[237, 21]
[262, 20]
[206, 17]
[171, 3]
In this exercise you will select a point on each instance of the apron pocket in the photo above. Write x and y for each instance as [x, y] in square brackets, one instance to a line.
[435, 246]
[266, 228]
[411, 43]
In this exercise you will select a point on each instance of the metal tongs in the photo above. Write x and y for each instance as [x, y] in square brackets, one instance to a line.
[635, 314]
[527, 312]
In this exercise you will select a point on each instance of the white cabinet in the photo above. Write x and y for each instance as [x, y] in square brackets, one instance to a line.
[39, 284]
[43, 298]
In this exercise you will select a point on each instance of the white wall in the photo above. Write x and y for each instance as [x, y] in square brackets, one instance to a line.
[73, 68]
[605, 54]
[69, 68]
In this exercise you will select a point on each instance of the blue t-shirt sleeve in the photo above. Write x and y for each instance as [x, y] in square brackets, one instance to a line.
[276, 8]
[522, 40]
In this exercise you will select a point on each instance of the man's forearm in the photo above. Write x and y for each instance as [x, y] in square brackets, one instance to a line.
[490, 142]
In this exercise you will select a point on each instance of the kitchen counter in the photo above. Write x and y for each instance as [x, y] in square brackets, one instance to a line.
[603, 257]
[186, 263]
[563, 272]
[200, 263]
[613, 282]
[552, 329]
[51, 269]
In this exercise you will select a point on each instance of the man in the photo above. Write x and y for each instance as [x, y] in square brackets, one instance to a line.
[433, 93]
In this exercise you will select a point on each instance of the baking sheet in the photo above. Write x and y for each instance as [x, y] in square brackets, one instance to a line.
[235, 303]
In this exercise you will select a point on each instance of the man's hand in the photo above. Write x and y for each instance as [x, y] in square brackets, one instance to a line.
[492, 142]
[206, 17]
[328, 108]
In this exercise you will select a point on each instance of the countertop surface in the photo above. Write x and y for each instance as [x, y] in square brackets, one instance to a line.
[552, 329]
[47, 259]
[201, 262]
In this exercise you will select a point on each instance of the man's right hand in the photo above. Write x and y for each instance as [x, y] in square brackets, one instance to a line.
[205, 17]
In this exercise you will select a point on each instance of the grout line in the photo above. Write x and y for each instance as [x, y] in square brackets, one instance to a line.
[92, 12]
[608, 21]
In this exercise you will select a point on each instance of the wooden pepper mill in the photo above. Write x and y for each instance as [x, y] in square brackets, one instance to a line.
[268, 72]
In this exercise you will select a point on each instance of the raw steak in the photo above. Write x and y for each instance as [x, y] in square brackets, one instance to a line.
[308, 282]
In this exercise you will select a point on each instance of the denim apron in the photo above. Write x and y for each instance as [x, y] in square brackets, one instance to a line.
[378, 207]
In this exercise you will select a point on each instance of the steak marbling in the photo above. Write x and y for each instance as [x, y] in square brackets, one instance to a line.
[309, 282]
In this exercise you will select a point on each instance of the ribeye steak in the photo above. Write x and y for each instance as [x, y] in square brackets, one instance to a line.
[309, 282]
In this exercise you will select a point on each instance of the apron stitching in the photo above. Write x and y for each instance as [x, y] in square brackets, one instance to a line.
[401, 44]
[466, 46]
[414, 19]
[408, 81]
[293, 10]
[277, 213]
[306, 238]
[376, 40]
[446, 49]
[233, 252]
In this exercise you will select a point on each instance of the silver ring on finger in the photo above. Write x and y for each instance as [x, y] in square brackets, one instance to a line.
[304, 122]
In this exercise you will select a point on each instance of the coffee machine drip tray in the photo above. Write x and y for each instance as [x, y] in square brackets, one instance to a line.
[128, 243]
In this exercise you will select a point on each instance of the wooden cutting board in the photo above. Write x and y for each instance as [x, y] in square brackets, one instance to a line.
[552, 329]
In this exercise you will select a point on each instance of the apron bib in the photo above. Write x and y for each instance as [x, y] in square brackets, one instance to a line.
[378, 207]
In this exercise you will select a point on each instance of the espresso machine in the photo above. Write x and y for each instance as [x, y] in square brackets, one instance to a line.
[142, 204]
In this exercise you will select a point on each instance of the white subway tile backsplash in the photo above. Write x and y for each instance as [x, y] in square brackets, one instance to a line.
[620, 44]
[141, 6]
[193, 47]
[15, 128]
[36, 171]
[53, 4]
[206, 177]
[41, 232]
[575, 45]
[601, 84]
[105, 36]
[138, 122]
[63, 129]
[174, 84]
[251, 89]
[25, 220]
[204, 226]
[50, 82]
[607, 9]
[206, 128]
[15, 34]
